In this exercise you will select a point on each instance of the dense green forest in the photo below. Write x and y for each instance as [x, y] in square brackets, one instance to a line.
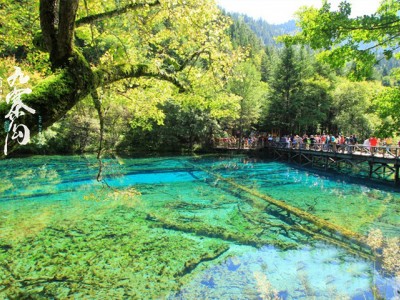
[265, 31]
[173, 75]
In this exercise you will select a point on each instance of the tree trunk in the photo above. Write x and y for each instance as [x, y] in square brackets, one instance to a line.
[53, 98]
[57, 20]
[74, 79]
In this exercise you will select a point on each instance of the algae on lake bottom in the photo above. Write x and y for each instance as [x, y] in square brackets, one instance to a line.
[169, 230]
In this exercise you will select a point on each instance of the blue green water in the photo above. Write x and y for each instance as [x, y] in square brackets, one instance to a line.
[185, 228]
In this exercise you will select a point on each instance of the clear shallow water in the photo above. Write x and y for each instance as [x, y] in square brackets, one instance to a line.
[182, 228]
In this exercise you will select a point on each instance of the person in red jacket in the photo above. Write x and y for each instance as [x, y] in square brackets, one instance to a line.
[373, 141]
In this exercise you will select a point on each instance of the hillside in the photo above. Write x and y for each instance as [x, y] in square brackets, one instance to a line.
[265, 31]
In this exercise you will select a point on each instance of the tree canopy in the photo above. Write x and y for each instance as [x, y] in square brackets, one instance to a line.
[175, 73]
[358, 43]
[121, 45]
[346, 39]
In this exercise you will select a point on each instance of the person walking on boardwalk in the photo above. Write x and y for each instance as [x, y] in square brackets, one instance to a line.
[327, 142]
[388, 143]
[312, 142]
[366, 144]
[333, 143]
[373, 141]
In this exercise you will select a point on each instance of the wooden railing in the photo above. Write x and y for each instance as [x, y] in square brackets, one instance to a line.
[233, 143]
[358, 149]
[392, 152]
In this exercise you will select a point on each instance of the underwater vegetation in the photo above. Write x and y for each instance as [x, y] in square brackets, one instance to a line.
[192, 228]
[103, 252]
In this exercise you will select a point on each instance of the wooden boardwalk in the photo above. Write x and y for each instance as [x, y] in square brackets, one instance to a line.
[373, 162]
[381, 163]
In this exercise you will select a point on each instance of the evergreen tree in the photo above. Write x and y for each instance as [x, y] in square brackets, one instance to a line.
[264, 31]
[285, 86]
[299, 94]
[267, 58]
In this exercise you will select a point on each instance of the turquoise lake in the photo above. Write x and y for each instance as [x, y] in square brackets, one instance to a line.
[204, 227]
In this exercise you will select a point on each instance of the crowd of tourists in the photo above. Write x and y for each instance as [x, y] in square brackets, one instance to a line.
[324, 142]
[253, 140]
[330, 142]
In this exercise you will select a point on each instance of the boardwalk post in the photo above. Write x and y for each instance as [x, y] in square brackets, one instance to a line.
[371, 167]
[396, 175]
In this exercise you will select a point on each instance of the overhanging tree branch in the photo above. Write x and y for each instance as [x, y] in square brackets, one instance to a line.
[383, 42]
[113, 13]
[125, 71]
[372, 28]
[56, 95]
[74, 79]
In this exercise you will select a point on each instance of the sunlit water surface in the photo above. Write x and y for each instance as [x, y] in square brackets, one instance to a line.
[183, 228]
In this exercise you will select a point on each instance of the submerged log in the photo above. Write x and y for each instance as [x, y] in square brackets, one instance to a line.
[192, 264]
[220, 233]
[334, 230]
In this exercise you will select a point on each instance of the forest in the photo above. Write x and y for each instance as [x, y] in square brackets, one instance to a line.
[172, 75]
